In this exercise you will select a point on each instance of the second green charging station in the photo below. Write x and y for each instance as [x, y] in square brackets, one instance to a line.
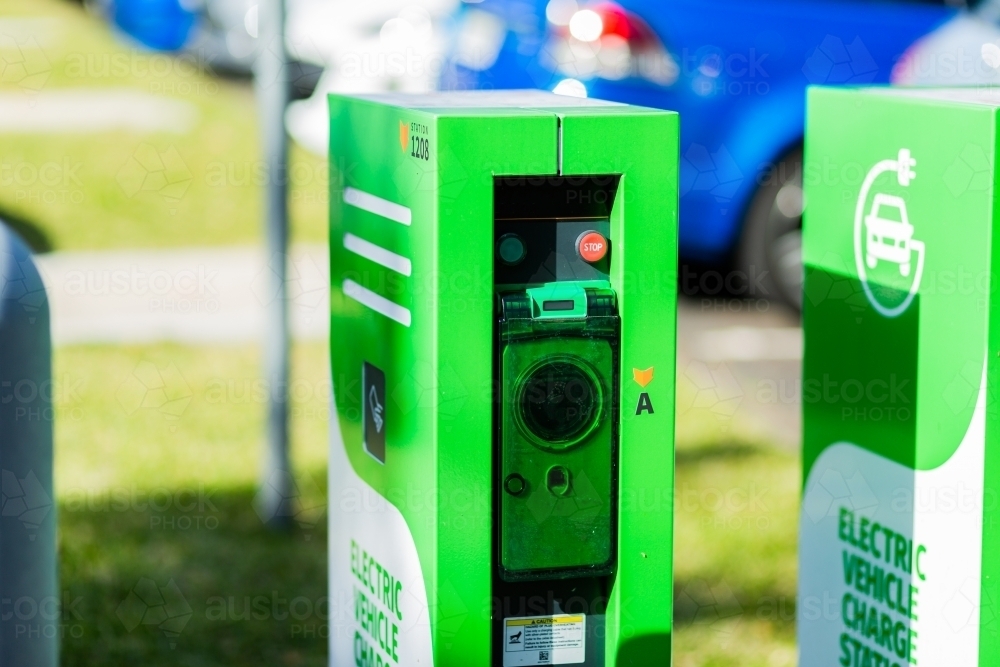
[503, 315]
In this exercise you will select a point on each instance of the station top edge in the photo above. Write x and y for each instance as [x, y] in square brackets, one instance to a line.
[968, 95]
[466, 101]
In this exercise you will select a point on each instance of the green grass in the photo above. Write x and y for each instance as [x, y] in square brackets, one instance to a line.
[736, 519]
[735, 535]
[177, 415]
[87, 191]
[239, 581]
[158, 484]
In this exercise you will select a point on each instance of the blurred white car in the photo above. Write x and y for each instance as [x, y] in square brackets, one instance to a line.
[333, 45]
[363, 47]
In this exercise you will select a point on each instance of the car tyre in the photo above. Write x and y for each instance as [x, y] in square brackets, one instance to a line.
[770, 249]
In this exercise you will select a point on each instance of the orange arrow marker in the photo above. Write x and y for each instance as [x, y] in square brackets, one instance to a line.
[642, 377]
[404, 136]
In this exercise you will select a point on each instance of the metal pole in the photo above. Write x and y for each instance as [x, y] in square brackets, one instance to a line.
[274, 502]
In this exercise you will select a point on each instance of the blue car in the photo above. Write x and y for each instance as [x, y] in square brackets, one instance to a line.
[736, 70]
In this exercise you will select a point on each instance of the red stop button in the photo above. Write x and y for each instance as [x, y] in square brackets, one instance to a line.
[592, 246]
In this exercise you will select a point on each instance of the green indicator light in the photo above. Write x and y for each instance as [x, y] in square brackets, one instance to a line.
[512, 249]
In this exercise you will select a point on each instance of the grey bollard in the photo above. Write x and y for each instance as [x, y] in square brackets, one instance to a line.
[29, 596]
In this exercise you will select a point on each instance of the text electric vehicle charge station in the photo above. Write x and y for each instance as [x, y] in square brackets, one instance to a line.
[899, 529]
[503, 277]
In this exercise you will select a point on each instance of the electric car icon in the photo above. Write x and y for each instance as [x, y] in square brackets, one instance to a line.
[888, 239]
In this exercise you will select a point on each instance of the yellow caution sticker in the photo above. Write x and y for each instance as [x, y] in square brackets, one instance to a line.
[544, 640]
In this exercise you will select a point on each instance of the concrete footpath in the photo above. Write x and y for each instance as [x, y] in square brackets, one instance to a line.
[740, 367]
[190, 295]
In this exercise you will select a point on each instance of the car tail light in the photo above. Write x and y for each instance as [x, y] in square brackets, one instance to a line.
[604, 40]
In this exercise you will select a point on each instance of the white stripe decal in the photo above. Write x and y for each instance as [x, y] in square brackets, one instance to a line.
[377, 254]
[377, 205]
[376, 302]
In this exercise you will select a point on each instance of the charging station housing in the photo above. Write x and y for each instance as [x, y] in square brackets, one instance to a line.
[899, 526]
[503, 335]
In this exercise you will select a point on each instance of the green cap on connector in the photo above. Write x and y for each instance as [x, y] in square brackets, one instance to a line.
[563, 300]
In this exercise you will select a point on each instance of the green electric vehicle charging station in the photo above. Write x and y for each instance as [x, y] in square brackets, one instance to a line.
[899, 533]
[503, 320]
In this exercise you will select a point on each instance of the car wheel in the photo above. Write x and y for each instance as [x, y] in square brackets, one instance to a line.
[770, 250]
